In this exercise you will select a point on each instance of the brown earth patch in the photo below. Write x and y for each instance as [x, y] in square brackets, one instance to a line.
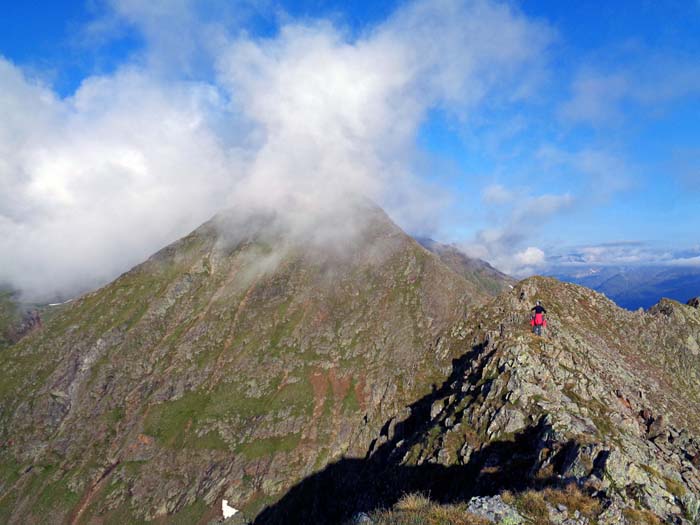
[144, 439]
[319, 383]
[360, 393]
[339, 383]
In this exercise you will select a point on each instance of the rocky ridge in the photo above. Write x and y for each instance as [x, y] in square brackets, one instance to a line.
[613, 394]
[474, 270]
[606, 402]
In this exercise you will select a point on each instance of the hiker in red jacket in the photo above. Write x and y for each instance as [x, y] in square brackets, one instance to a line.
[537, 320]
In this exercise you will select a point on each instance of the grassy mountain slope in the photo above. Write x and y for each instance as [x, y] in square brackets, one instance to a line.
[9, 315]
[231, 364]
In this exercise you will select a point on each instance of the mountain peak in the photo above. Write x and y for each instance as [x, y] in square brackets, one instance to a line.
[251, 345]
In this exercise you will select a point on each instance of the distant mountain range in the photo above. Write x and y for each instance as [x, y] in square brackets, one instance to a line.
[634, 287]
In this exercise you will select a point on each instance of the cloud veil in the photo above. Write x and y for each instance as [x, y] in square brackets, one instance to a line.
[95, 181]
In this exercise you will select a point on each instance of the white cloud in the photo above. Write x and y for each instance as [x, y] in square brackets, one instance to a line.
[99, 180]
[497, 194]
[529, 261]
[499, 243]
[95, 182]
[621, 253]
[595, 97]
[523, 263]
[686, 261]
[531, 256]
[647, 80]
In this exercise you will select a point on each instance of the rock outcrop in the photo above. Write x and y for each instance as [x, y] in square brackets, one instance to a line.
[614, 395]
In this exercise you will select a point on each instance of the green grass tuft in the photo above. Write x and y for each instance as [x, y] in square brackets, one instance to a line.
[269, 446]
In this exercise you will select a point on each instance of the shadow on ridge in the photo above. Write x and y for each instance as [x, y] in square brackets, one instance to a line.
[352, 485]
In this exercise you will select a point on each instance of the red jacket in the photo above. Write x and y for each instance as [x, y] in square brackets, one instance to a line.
[538, 320]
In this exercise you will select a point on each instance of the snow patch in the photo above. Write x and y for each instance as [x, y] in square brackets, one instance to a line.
[59, 304]
[226, 510]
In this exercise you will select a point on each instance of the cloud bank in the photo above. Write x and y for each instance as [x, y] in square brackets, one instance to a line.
[207, 116]
[626, 253]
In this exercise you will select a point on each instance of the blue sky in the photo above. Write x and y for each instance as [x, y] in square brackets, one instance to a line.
[521, 131]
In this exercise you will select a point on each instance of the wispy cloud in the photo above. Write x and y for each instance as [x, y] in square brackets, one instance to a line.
[596, 97]
[505, 242]
[624, 253]
[645, 81]
[686, 261]
[601, 172]
[497, 194]
[513, 239]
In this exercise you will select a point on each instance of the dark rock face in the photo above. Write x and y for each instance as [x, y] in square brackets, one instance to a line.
[16, 320]
[29, 323]
[695, 302]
